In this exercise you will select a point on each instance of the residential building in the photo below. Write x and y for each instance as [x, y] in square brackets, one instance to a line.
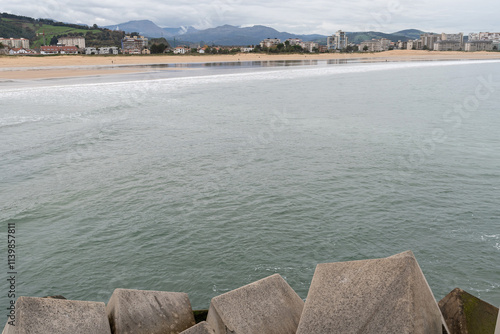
[16, 42]
[402, 45]
[479, 45]
[415, 44]
[337, 41]
[453, 37]
[134, 44]
[54, 49]
[485, 36]
[91, 51]
[294, 41]
[181, 49]
[18, 51]
[112, 50]
[247, 49]
[448, 45]
[322, 48]
[309, 46]
[375, 45]
[428, 40]
[270, 42]
[77, 41]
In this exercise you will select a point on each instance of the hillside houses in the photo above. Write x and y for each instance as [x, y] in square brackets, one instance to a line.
[337, 42]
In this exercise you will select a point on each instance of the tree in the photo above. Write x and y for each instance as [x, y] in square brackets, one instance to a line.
[425, 47]
[158, 48]
[365, 48]
[495, 48]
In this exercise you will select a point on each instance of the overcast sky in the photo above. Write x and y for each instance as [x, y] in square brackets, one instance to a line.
[300, 17]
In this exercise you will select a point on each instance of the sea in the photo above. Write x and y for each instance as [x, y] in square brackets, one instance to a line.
[202, 178]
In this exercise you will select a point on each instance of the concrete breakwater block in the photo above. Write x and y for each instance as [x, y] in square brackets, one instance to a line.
[267, 306]
[497, 328]
[467, 314]
[58, 316]
[200, 328]
[388, 295]
[140, 311]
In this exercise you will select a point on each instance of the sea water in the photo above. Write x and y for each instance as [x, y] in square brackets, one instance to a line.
[203, 181]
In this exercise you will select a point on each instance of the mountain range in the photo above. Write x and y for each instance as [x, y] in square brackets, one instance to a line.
[43, 31]
[232, 35]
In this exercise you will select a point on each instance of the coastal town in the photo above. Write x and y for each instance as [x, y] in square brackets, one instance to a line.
[337, 42]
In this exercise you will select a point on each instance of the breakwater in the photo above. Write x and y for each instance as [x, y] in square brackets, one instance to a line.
[386, 295]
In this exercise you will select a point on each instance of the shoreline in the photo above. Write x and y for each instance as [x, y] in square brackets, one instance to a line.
[59, 66]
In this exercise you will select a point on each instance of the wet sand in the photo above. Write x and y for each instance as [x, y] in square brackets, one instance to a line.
[43, 67]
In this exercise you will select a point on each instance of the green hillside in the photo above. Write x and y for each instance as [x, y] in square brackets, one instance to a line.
[46, 32]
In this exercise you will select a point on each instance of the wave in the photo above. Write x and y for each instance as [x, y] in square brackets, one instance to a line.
[322, 69]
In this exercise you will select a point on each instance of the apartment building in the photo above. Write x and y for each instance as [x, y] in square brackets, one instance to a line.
[375, 45]
[12, 43]
[269, 42]
[337, 41]
[134, 44]
[77, 41]
[479, 45]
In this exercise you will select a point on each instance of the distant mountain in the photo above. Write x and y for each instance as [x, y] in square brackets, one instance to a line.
[358, 37]
[231, 35]
[20, 26]
[143, 27]
[410, 33]
[150, 29]
[223, 35]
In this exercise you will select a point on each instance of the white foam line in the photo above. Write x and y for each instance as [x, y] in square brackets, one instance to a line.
[278, 74]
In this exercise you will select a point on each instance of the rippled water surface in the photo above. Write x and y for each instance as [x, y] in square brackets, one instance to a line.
[204, 183]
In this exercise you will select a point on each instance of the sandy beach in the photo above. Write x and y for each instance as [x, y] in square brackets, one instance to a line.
[40, 67]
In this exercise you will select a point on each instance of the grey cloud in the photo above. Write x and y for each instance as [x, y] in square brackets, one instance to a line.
[315, 16]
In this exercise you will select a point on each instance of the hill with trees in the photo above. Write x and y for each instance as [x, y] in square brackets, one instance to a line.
[47, 32]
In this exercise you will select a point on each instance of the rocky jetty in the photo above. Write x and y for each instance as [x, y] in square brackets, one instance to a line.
[388, 295]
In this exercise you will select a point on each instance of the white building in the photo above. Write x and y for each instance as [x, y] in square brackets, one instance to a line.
[77, 41]
[448, 45]
[309, 46]
[478, 45]
[428, 40]
[18, 51]
[91, 51]
[337, 41]
[247, 49]
[294, 41]
[402, 45]
[485, 36]
[375, 45]
[270, 42]
[112, 50]
[181, 50]
[415, 44]
[453, 37]
[16, 42]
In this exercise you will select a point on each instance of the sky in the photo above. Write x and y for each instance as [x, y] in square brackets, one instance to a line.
[300, 17]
